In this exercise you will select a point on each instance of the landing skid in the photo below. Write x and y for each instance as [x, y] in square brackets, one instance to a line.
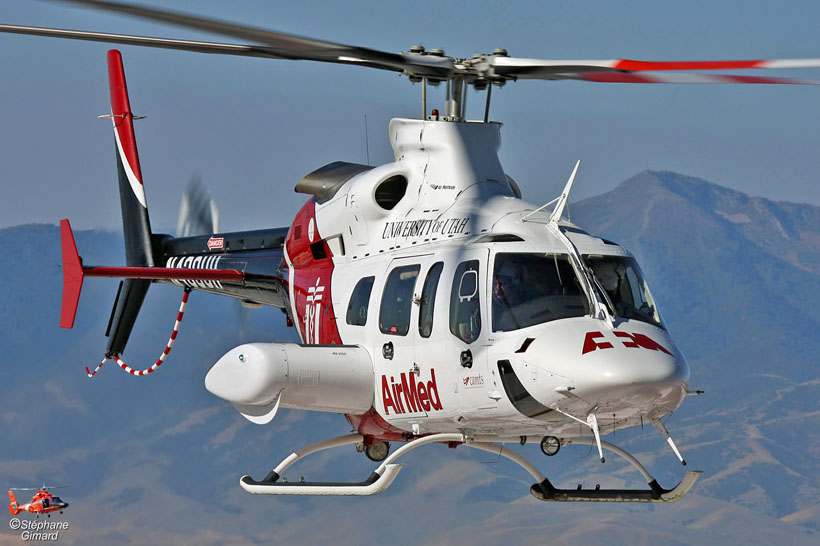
[387, 471]
[545, 491]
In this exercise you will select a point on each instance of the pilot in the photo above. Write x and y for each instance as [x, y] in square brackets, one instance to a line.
[506, 295]
[504, 289]
[609, 274]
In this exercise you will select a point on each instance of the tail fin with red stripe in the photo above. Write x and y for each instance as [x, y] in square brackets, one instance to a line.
[136, 226]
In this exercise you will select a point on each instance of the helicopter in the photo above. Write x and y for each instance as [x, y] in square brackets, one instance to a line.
[42, 502]
[433, 303]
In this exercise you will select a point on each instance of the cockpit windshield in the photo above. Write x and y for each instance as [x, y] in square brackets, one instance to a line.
[532, 288]
[624, 284]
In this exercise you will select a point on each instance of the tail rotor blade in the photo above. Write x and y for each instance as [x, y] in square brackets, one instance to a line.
[198, 213]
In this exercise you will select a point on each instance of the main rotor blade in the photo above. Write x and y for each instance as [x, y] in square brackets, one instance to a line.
[481, 68]
[39, 488]
[147, 41]
[288, 46]
[512, 67]
[677, 77]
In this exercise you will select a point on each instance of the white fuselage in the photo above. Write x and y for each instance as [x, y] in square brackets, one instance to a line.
[479, 316]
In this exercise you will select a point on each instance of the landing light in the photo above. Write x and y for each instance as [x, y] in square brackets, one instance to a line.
[550, 445]
[377, 451]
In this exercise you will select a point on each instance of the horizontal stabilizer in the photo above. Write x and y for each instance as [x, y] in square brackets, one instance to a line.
[164, 273]
[74, 273]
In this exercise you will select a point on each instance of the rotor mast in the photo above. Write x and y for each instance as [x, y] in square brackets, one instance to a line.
[465, 72]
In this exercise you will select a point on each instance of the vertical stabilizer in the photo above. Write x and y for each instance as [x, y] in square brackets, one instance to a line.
[136, 226]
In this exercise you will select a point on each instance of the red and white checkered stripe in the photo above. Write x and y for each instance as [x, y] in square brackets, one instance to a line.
[161, 358]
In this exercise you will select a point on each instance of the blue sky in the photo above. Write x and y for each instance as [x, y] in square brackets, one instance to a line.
[251, 127]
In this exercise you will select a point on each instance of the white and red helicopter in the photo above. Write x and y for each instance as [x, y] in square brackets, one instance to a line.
[434, 304]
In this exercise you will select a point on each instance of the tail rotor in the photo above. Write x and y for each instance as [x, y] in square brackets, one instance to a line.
[13, 506]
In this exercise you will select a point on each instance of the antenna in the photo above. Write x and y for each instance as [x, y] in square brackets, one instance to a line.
[562, 200]
[366, 141]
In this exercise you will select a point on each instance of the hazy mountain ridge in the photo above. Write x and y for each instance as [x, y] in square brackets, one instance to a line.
[162, 449]
[787, 230]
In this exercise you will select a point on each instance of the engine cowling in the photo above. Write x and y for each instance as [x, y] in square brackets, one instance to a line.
[257, 378]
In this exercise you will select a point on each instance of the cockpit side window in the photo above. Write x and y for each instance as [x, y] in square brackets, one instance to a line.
[465, 307]
[397, 300]
[530, 289]
[428, 300]
[626, 288]
[359, 302]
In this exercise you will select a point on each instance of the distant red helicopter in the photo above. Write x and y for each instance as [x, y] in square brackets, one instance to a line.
[43, 502]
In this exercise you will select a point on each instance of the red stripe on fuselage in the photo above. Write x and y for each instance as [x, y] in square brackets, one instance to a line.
[311, 276]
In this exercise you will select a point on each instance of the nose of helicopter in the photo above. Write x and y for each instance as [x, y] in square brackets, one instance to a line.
[633, 368]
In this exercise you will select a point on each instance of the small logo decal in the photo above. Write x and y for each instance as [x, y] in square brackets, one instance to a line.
[473, 381]
[216, 243]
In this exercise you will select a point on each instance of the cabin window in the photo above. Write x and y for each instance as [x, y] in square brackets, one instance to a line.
[428, 300]
[530, 289]
[465, 309]
[625, 287]
[359, 302]
[397, 300]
